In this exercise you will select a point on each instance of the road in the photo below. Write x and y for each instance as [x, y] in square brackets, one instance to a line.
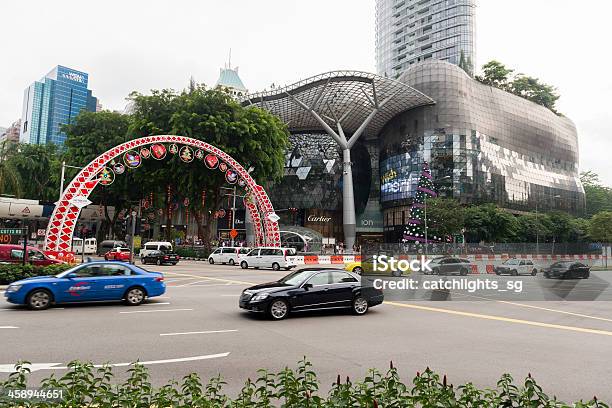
[197, 327]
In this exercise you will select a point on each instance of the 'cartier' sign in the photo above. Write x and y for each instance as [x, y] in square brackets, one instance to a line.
[313, 218]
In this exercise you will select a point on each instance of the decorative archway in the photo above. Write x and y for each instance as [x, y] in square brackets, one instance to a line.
[66, 213]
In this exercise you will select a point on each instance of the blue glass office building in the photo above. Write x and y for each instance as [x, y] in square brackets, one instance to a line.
[53, 101]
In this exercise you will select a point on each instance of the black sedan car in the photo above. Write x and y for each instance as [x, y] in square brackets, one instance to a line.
[311, 289]
[160, 258]
[567, 270]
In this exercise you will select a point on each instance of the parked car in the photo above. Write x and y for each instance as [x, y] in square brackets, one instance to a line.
[450, 265]
[160, 258]
[107, 245]
[228, 255]
[151, 246]
[269, 257]
[311, 289]
[516, 267]
[12, 253]
[92, 281]
[118, 254]
[567, 270]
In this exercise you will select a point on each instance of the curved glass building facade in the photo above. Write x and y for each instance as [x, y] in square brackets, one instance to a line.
[483, 145]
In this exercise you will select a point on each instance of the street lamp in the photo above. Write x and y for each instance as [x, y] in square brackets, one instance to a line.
[64, 166]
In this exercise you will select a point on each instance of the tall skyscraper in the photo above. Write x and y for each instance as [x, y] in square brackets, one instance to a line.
[53, 101]
[410, 31]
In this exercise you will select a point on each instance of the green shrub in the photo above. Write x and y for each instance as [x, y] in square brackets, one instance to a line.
[13, 272]
[83, 386]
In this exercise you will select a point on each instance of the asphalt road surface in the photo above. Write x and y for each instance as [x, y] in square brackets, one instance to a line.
[197, 327]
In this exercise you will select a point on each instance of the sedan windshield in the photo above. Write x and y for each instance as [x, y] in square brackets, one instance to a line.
[296, 278]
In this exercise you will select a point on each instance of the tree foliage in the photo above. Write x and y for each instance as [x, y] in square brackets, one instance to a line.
[499, 76]
[601, 227]
[598, 196]
[445, 216]
[10, 183]
[39, 168]
[252, 136]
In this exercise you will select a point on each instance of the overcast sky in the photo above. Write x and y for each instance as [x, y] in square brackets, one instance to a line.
[140, 45]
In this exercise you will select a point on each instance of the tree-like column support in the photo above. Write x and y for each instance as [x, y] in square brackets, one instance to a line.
[348, 196]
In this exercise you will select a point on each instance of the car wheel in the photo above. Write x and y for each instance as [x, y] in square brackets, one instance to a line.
[279, 309]
[159, 261]
[211, 261]
[358, 270]
[134, 296]
[514, 273]
[39, 299]
[396, 273]
[534, 272]
[275, 266]
[360, 306]
[232, 262]
[586, 275]
[463, 272]
[244, 265]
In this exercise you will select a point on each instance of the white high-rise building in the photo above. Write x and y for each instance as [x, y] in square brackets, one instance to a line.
[410, 31]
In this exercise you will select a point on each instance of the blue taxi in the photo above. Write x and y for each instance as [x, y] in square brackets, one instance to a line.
[93, 281]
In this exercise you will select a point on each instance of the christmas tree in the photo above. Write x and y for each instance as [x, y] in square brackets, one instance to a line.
[415, 230]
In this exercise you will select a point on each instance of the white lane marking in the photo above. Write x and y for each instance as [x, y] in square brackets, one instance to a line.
[33, 311]
[9, 327]
[155, 304]
[190, 283]
[9, 368]
[199, 332]
[156, 311]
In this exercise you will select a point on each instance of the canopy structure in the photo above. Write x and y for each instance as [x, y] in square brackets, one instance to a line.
[345, 104]
[345, 97]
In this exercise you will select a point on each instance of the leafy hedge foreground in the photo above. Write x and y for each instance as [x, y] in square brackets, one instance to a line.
[85, 386]
[13, 272]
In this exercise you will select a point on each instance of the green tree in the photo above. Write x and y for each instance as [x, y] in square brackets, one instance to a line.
[91, 134]
[601, 227]
[499, 76]
[38, 168]
[445, 216]
[598, 196]
[10, 182]
[489, 223]
[532, 89]
[252, 136]
[495, 74]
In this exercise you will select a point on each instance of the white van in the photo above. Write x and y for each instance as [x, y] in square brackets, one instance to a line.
[269, 257]
[151, 246]
[228, 255]
[91, 246]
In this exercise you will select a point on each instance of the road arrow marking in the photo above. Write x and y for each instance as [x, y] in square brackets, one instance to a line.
[10, 368]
